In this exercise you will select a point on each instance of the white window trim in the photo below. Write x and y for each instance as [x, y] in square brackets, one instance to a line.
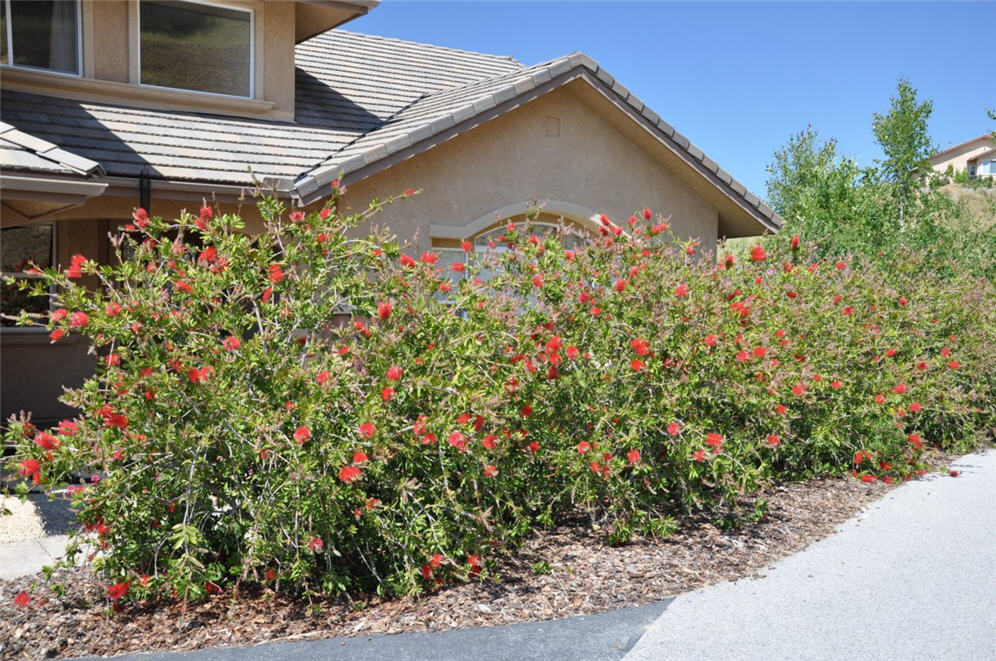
[25, 67]
[252, 50]
[54, 259]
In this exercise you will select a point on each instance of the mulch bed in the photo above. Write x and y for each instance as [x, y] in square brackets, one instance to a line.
[585, 576]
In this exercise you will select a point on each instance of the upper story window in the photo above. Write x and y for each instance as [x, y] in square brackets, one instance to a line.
[41, 34]
[196, 46]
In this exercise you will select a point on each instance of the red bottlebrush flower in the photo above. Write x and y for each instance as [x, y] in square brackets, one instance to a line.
[426, 571]
[743, 356]
[633, 456]
[270, 574]
[387, 393]
[921, 365]
[490, 442]
[573, 352]
[527, 410]
[118, 590]
[889, 353]
[68, 428]
[835, 384]
[302, 435]
[46, 441]
[848, 310]
[59, 314]
[916, 407]
[296, 216]
[30, 467]
[780, 409]
[759, 352]
[458, 440]
[407, 261]
[466, 246]
[22, 599]
[868, 478]
[953, 473]
[954, 364]
[267, 294]
[231, 343]
[140, 216]
[349, 473]
[276, 273]
[316, 544]
[367, 430]
[384, 310]
[490, 470]
[757, 254]
[710, 340]
[699, 456]
[915, 440]
[360, 457]
[430, 258]
[78, 320]
[537, 280]
[584, 446]
[113, 309]
[773, 440]
[690, 250]
[637, 365]
[394, 373]
[533, 447]
[715, 440]
[946, 351]
[799, 389]
[658, 228]
[902, 300]
[554, 345]
[619, 285]
[674, 429]
[900, 389]
[860, 456]
[647, 214]
[322, 377]
[681, 290]
[795, 242]
[631, 221]
[640, 347]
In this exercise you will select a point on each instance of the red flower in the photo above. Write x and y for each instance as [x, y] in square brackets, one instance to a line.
[583, 447]
[490, 442]
[367, 430]
[349, 473]
[840, 266]
[407, 261]
[860, 456]
[757, 254]
[773, 440]
[637, 365]
[620, 285]
[430, 258]
[490, 470]
[780, 408]
[538, 280]
[296, 216]
[459, 267]
[46, 441]
[743, 356]
[674, 429]
[316, 544]
[302, 435]
[759, 352]
[232, 343]
[276, 273]
[848, 310]
[387, 393]
[915, 440]
[795, 242]
[715, 440]
[681, 290]
[527, 410]
[900, 389]
[835, 384]
[267, 293]
[915, 407]
[359, 457]
[467, 246]
[21, 599]
[902, 300]
[270, 574]
[30, 467]
[393, 373]
[573, 352]
[533, 447]
[118, 590]
[641, 347]
[68, 428]
[946, 351]
[458, 440]
[699, 456]
[78, 320]
[954, 364]
[384, 310]
[799, 389]
[953, 473]
[868, 478]
[633, 456]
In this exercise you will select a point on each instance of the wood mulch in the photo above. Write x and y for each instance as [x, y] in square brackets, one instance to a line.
[558, 573]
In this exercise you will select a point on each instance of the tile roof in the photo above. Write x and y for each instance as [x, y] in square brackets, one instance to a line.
[21, 151]
[359, 100]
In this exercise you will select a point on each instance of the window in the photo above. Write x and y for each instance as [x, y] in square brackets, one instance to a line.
[41, 34]
[196, 46]
[19, 247]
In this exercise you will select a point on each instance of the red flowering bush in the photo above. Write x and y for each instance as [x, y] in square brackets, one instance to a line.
[320, 412]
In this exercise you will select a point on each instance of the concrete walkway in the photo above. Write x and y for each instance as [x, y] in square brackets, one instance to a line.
[914, 577]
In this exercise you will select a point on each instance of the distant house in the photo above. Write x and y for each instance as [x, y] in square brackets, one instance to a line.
[115, 104]
[977, 157]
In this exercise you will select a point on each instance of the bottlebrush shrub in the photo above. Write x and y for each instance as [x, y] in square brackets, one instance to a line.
[241, 429]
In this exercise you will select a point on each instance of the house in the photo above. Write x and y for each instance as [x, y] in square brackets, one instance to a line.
[107, 106]
[977, 157]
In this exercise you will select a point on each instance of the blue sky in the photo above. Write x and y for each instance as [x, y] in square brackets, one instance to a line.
[739, 78]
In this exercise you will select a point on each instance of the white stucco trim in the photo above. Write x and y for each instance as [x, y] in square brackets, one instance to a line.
[576, 212]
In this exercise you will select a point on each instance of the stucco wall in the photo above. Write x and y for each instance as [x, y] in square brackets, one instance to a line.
[513, 158]
[958, 160]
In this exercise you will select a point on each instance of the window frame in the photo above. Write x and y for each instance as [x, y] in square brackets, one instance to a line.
[252, 50]
[27, 67]
[39, 326]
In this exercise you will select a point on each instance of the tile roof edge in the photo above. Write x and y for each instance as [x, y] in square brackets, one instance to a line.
[557, 68]
[422, 43]
[49, 151]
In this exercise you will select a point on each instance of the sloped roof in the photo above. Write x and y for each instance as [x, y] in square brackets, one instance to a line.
[20, 151]
[939, 156]
[984, 155]
[360, 100]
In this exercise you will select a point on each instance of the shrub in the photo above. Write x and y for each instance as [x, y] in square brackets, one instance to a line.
[314, 410]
